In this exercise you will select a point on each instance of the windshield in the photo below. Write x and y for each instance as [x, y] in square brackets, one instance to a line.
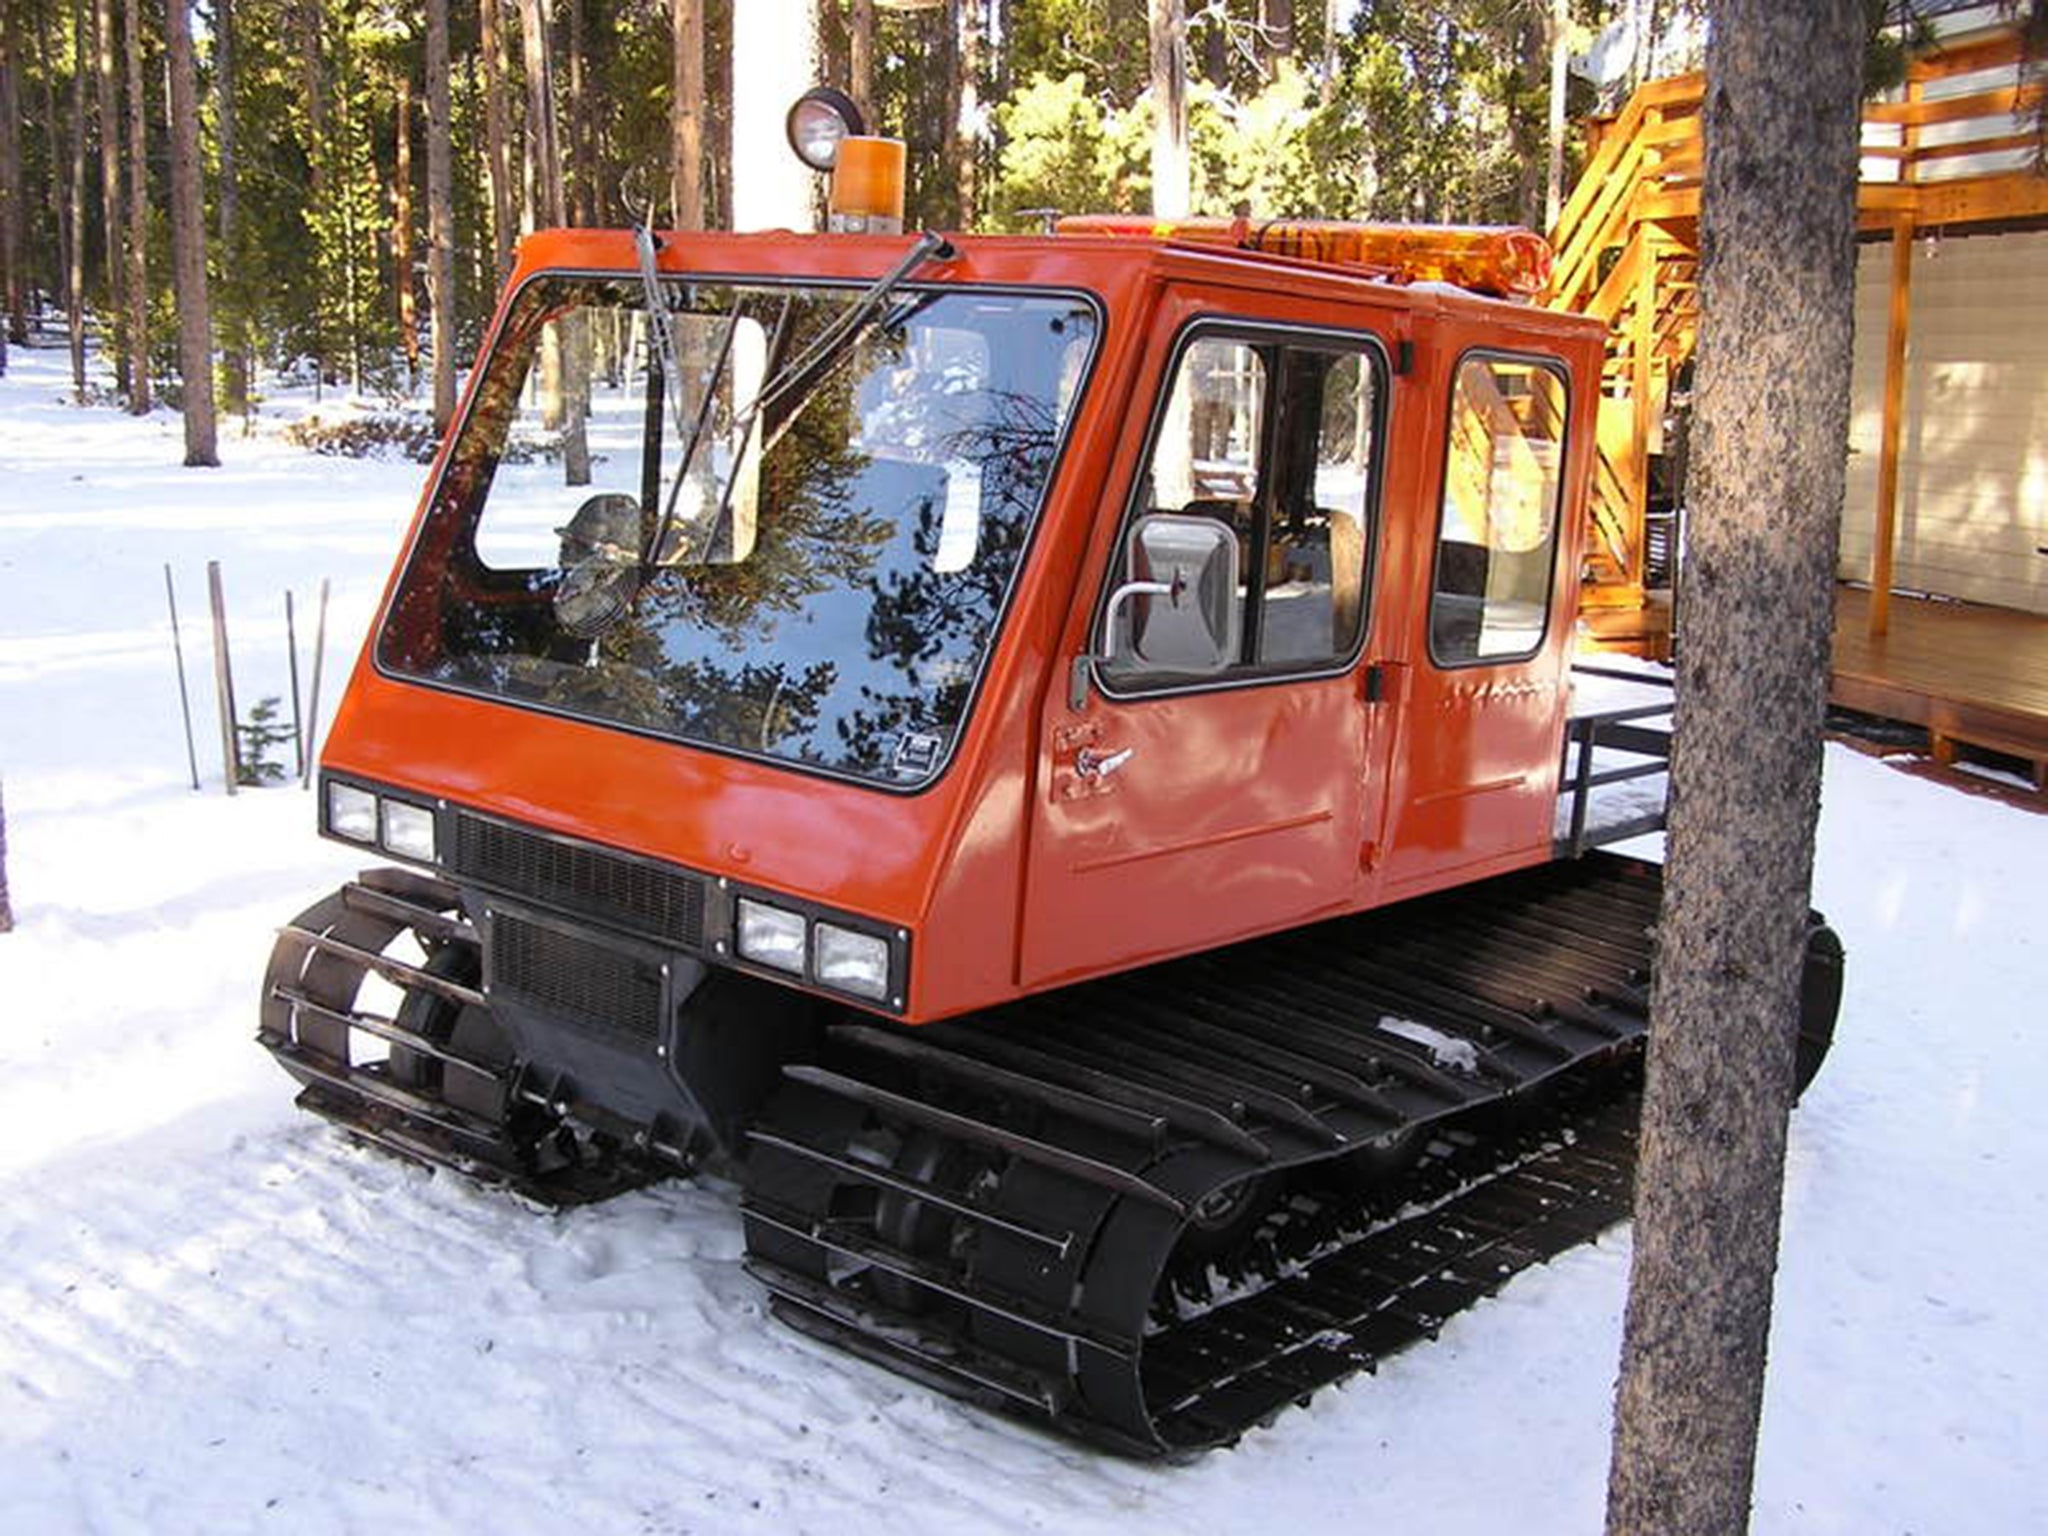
[822, 586]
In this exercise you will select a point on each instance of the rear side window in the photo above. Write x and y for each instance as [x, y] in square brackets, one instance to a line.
[1497, 536]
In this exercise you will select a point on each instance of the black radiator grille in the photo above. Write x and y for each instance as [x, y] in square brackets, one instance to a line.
[616, 888]
[571, 976]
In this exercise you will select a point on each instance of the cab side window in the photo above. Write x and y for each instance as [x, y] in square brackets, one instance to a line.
[1278, 439]
[1497, 534]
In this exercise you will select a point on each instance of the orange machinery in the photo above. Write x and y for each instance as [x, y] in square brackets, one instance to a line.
[804, 640]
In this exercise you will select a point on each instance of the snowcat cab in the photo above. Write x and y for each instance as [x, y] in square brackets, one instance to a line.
[1043, 756]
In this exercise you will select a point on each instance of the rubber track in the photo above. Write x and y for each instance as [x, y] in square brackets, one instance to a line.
[426, 1101]
[994, 1205]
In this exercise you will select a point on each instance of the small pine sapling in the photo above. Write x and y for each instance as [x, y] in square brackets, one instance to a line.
[261, 734]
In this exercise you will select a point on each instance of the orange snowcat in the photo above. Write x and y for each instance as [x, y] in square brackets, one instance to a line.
[1050, 760]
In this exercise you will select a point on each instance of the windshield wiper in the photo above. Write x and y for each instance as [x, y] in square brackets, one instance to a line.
[785, 393]
[782, 397]
[661, 330]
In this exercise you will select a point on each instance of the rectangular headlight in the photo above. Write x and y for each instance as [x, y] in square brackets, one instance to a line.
[770, 936]
[407, 830]
[853, 962]
[351, 812]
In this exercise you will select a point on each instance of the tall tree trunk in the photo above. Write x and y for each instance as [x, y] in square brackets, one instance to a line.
[1170, 165]
[497, 134]
[138, 217]
[401, 225]
[105, 86]
[188, 242]
[56, 184]
[12, 214]
[1769, 448]
[74, 264]
[581, 160]
[774, 60]
[686, 112]
[346, 168]
[1332, 26]
[718, 113]
[1560, 60]
[544, 198]
[234, 296]
[564, 366]
[312, 51]
[967, 109]
[860, 50]
[440, 215]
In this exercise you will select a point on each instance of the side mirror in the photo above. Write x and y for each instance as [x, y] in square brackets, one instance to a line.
[1178, 611]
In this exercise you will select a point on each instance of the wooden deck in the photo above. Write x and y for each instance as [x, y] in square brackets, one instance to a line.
[1968, 673]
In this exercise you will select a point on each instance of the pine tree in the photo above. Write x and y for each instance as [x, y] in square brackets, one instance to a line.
[137, 238]
[686, 112]
[440, 215]
[188, 245]
[13, 277]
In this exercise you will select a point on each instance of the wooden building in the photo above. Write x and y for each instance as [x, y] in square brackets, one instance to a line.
[1948, 472]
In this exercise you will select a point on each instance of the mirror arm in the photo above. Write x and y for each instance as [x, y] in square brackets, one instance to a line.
[1077, 682]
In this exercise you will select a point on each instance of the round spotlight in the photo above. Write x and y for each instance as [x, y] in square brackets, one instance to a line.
[818, 121]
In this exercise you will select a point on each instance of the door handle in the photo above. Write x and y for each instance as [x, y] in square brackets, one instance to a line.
[1091, 764]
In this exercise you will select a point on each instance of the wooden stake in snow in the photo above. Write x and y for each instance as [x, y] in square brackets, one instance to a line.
[184, 698]
[223, 677]
[313, 704]
[291, 642]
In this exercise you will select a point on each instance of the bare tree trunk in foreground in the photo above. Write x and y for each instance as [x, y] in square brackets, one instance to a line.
[1769, 448]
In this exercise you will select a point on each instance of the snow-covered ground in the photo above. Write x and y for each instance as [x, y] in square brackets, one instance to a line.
[216, 1315]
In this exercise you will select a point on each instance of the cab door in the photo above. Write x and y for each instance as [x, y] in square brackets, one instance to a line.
[1183, 800]
[1477, 789]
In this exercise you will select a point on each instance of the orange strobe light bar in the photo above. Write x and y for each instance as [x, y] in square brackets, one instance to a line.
[1500, 259]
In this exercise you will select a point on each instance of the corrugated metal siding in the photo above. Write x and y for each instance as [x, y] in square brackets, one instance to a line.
[1973, 462]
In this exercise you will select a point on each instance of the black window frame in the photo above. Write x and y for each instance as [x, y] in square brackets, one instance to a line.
[1277, 334]
[1562, 370]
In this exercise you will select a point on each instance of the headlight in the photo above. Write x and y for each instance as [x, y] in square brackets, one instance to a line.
[351, 812]
[770, 936]
[853, 962]
[408, 830]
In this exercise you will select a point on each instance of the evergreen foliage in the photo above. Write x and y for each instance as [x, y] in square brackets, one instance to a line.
[1421, 109]
[256, 739]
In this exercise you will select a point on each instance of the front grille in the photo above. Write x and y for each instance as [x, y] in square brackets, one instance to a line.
[570, 976]
[616, 888]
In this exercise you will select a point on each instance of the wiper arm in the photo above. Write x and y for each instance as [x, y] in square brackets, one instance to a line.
[661, 326]
[786, 391]
[793, 383]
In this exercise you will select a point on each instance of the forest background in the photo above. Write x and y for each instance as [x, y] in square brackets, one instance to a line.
[315, 188]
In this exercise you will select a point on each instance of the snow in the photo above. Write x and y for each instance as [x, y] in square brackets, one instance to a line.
[217, 1315]
[1445, 1050]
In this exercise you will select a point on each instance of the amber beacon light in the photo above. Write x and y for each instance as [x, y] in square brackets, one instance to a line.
[828, 134]
[1497, 259]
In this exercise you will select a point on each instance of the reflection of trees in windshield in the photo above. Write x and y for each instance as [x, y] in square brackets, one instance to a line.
[928, 622]
[892, 511]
